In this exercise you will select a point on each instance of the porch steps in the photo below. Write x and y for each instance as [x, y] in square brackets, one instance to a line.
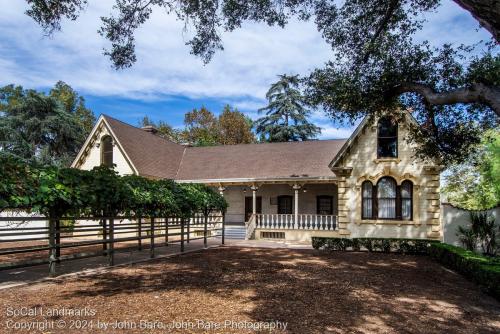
[235, 232]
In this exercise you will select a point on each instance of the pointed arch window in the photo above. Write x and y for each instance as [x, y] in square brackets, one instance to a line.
[107, 151]
[386, 198]
[387, 140]
[367, 200]
[407, 200]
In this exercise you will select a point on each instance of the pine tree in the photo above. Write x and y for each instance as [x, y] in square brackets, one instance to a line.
[286, 116]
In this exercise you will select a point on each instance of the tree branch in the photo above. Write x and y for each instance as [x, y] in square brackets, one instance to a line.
[486, 12]
[476, 93]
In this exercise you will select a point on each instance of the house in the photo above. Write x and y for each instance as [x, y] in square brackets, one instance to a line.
[369, 185]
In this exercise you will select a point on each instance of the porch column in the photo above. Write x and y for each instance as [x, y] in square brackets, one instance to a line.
[221, 190]
[254, 199]
[296, 187]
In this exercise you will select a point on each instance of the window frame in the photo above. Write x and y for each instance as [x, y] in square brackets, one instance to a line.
[398, 200]
[321, 197]
[388, 198]
[104, 142]
[395, 138]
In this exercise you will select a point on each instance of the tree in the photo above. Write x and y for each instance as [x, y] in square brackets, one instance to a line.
[286, 116]
[475, 184]
[74, 104]
[201, 127]
[377, 64]
[37, 127]
[234, 128]
[164, 129]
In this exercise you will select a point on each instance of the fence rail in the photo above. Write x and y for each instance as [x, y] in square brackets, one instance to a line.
[55, 240]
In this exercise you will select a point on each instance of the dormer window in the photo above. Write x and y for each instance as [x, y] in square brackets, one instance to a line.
[387, 138]
[107, 151]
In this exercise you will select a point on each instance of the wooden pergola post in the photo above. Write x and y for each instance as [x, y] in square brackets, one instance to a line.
[58, 239]
[111, 250]
[52, 248]
[223, 226]
[182, 234]
[166, 231]
[104, 236]
[139, 233]
[205, 226]
[152, 242]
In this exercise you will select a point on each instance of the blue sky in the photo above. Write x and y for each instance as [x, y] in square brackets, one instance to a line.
[167, 81]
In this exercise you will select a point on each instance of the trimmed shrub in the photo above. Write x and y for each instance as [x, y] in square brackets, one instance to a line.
[384, 245]
[485, 271]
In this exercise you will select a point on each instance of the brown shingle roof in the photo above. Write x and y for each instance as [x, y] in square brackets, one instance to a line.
[270, 160]
[152, 155]
[156, 157]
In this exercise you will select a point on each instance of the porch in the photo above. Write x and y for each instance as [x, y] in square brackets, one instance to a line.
[291, 211]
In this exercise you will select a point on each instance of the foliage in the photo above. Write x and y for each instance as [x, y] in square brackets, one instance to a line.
[74, 104]
[385, 245]
[234, 127]
[60, 192]
[164, 129]
[286, 115]
[201, 127]
[485, 271]
[475, 183]
[47, 129]
[377, 63]
[482, 232]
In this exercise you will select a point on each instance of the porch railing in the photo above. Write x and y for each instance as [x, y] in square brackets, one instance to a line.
[250, 227]
[304, 222]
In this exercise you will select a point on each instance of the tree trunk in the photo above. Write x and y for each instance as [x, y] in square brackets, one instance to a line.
[476, 93]
[486, 12]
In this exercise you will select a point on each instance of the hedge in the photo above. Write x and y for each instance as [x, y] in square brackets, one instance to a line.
[385, 245]
[485, 271]
[59, 192]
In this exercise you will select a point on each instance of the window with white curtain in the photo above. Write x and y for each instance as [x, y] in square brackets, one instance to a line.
[367, 204]
[407, 200]
[386, 198]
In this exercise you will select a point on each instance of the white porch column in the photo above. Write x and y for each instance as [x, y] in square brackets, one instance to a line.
[221, 190]
[254, 199]
[296, 187]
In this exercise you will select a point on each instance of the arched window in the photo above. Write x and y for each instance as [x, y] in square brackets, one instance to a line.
[386, 198]
[107, 151]
[407, 200]
[387, 138]
[367, 200]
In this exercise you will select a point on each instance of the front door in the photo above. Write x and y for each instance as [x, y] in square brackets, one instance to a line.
[248, 206]
[285, 204]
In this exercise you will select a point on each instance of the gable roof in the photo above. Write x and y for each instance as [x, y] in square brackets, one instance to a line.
[258, 161]
[156, 157]
[152, 155]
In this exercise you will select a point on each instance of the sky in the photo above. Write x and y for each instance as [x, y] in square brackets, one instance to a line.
[167, 81]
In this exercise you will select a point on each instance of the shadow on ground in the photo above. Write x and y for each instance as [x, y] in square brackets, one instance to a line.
[312, 292]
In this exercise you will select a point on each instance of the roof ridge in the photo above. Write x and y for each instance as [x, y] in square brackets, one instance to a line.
[137, 128]
[271, 143]
[180, 162]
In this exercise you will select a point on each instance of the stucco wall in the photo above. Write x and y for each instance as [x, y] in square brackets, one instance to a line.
[362, 158]
[453, 217]
[92, 154]
[235, 196]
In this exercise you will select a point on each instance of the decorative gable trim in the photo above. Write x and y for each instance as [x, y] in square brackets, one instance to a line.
[92, 138]
[354, 137]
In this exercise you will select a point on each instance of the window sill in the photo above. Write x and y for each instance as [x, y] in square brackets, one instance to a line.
[382, 160]
[388, 222]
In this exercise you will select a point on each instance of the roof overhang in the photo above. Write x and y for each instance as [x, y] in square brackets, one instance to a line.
[260, 181]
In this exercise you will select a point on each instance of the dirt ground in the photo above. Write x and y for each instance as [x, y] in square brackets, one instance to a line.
[238, 290]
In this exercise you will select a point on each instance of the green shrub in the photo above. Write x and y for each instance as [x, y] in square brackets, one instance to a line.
[485, 271]
[385, 245]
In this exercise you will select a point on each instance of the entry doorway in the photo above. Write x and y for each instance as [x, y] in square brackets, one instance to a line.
[285, 204]
[248, 206]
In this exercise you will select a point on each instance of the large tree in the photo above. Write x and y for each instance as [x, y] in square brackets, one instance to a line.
[201, 127]
[286, 114]
[475, 183]
[234, 127]
[377, 65]
[41, 128]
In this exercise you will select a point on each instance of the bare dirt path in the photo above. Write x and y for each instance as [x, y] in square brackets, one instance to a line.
[231, 289]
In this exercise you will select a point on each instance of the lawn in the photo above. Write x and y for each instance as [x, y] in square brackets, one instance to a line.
[311, 292]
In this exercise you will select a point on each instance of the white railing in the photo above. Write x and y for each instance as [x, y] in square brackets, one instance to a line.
[250, 228]
[304, 222]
